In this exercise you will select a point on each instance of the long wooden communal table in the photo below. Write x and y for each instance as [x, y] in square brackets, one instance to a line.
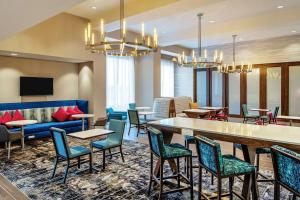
[248, 135]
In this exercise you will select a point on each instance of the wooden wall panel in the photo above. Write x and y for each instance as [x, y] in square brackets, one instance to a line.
[285, 89]
[263, 87]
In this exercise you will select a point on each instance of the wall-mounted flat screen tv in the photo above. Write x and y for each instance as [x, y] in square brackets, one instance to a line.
[36, 86]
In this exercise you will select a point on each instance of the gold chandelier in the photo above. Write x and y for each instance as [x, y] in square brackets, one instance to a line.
[197, 61]
[242, 68]
[97, 42]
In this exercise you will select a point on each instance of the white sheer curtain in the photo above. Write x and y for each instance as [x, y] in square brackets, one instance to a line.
[167, 78]
[120, 82]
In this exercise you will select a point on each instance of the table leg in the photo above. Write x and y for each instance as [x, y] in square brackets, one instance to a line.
[23, 137]
[82, 124]
[249, 156]
[291, 122]
[167, 140]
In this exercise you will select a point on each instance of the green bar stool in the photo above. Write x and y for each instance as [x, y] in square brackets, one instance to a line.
[166, 152]
[286, 164]
[221, 166]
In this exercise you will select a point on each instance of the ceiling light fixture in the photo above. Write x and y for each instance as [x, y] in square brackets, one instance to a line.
[293, 31]
[14, 54]
[242, 68]
[97, 42]
[199, 61]
[279, 7]
[212, 21]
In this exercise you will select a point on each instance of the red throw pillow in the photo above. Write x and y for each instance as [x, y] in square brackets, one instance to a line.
[18, 116]
[6, 117]
[71, 112]
[60, 115]
[77, 110]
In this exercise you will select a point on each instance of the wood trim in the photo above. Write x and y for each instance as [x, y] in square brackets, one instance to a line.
[195, 85]
[285, 89]
[263, 87]
[208, 87]
[243, 90]
[225, 90]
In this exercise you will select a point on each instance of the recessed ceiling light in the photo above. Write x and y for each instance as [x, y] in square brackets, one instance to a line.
[279, 7]
[212, 21]
[13, 54]
[94, 7]
[293, 31]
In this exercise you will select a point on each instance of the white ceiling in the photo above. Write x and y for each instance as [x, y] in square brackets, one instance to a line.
[177, 22]
[18, 15]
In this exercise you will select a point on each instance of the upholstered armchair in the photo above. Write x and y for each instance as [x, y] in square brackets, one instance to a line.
[8, 137]
[118, 115]
[247, 116]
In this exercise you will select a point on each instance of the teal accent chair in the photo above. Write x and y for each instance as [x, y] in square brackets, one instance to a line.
[132, 106]
[247, 116]
[166, 152]
[286, 164]
[8, 136]
[221, 166]
[259, 151]
[64, 152]
[118, 115]
[135, 121]
[113, 140]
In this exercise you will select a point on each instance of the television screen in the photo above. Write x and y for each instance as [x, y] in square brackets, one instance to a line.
[36, 86]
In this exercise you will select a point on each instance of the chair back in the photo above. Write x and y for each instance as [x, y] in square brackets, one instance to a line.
[3, 133]
[132, 106]
[209, 154]
[156, 141]
[286, 164]
[118, 127]
[276, 112]
[244, 110]
[133, 117]
[117, 116]
[60, 142]
[109, 110]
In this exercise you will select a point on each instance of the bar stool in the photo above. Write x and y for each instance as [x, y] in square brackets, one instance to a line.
[166, 152]
[286, 164]
[221, 166]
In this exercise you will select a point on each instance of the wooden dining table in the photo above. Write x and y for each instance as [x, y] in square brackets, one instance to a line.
[197, 113]
[250, 136]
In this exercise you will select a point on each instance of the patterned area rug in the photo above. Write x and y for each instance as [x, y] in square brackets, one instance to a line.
[30, 170]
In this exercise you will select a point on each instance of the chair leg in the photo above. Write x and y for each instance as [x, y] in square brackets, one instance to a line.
[231, 180]
[161, 182]
[122, 156]
[276, 191]
[234, 150]
[103, 162]
[191, 177]
[129, 129]
[185, 159]
[91, 162]
[178, 171]
[199, 183]
[254, 186]
[212, 179]
[8, 150]
[78, 162]
[138, 131]
[219, 188]
[66, 172]
[188, 163]
[55, 166]
[109, 150]
[151, 173]
[294, 197]
[257, 164]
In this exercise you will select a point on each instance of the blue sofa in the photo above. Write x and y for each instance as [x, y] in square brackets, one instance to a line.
[42, 112]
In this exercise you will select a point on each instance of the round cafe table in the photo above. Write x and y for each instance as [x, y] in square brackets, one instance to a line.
[82, 117]
[21, 124]
[143, 108]
[145, 113]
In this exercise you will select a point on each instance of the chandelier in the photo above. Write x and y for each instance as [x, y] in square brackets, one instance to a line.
[97, 42]
[197, 61]
[243, 68]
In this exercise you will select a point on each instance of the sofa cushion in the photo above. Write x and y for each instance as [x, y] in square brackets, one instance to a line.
[18, 116]
[6, 117]
[46, 126]
[61, 115]
[77, 110]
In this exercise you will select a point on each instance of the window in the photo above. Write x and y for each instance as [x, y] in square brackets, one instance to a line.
[120, 82]
[167, 78]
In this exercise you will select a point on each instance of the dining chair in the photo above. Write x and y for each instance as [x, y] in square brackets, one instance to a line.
[286, 164]
[247, 116]
[165, 152]
[8, 137]
[135, 121]
[221, 166]
[66, 153]
[223, 115]
[113, 140]
[132, 106]
[112, 114]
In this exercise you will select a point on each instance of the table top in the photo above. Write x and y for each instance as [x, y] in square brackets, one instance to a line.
[260, 109]
[288, 117]
[146, 113]
[200, 111]
[83, 115]
[143, 108]
[21, 122]
[231, 131]
[90, 133]
[211, 108]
